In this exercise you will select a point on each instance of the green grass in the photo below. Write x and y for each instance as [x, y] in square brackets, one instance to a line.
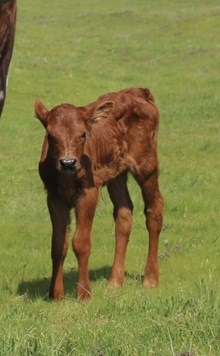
[73, 52]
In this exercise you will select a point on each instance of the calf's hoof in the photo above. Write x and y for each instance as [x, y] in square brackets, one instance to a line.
[151, 282]
[56, 297]
[83, 294]
[114, 283]
[116, 278]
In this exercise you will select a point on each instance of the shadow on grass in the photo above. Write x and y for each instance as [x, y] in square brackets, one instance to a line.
[38, 288]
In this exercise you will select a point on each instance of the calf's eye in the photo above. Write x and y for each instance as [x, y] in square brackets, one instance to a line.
[82, 138]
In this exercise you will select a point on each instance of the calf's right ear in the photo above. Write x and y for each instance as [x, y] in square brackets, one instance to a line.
[41, 112]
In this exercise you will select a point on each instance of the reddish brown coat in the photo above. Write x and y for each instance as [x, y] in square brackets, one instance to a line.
[86, 148]
[7, 32]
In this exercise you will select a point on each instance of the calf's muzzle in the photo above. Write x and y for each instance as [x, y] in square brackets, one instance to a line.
[68, 164]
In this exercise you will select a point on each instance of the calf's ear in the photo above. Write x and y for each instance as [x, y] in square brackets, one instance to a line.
[101, 112]
[41, 112]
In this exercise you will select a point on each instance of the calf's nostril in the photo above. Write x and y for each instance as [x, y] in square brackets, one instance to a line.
[68, 163]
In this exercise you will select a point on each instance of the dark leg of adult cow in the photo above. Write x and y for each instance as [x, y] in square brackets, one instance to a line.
[123, 208]
[60, 218]
[153, 211]
[7, 32]
[85, 210]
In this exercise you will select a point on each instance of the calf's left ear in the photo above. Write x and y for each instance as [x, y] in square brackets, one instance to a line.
[41, 112]
[101, 112]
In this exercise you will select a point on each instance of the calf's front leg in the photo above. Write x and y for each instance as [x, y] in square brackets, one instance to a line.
[60, 219]
[85, 210]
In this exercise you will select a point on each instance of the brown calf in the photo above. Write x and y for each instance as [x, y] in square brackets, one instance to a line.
[86, 148]
[7, 32]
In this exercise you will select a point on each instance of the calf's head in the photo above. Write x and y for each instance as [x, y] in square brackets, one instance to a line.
[66, 135]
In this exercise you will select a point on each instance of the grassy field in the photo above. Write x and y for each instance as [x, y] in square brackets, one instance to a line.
[71, 51]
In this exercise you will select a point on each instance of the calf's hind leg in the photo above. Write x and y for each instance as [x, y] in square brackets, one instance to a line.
[153, 210]
[122, 213]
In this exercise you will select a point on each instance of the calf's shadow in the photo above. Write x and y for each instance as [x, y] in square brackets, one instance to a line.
[38, 288]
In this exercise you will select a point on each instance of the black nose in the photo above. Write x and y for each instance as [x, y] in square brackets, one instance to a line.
[68, 163]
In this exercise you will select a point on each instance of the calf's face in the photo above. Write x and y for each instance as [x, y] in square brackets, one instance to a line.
[66, 135]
